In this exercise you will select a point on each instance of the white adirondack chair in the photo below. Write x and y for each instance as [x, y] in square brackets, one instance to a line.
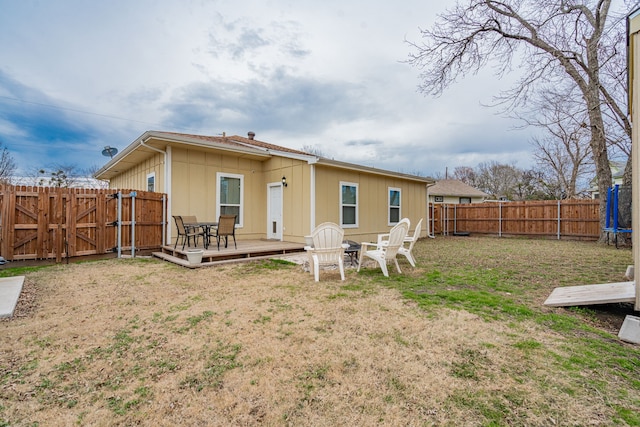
[386, 249]
[407, 251]
[327, 248]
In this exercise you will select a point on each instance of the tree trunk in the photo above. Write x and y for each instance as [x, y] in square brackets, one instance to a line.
[601, 159]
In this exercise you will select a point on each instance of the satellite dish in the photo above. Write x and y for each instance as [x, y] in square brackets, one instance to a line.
[109, 151]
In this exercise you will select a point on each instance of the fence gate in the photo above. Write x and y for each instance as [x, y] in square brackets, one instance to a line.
[56, 223]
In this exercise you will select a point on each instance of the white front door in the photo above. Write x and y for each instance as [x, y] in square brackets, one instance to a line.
[274, 212]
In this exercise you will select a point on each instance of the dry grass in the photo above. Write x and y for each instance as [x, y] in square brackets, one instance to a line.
[461, 340]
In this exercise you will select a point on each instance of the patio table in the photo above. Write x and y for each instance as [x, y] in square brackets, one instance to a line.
[352, 251]
[206, 227]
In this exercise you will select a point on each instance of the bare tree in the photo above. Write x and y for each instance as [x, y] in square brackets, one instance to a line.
[498, 179]
[7, 165]
[65, 176]
[562, 154]
[313, 149]
[556, 41]
[534, 186]
[466, 174]
[60, 177]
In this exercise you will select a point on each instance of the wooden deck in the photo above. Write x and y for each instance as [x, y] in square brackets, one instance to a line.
[605, 293]
[248, 250]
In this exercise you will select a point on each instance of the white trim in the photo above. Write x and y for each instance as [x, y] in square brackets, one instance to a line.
[399, 207]
[312, 195]
[281, 233]
[167, 190]
[241, 206]
[348, 184]
[152, 175]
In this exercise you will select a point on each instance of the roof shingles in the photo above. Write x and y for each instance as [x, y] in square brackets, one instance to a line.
[454, 187]
[237, 141]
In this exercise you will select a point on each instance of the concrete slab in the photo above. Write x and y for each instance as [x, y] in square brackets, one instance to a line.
[630, 331]
[10, 288]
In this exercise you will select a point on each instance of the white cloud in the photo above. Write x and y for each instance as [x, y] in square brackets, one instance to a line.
[300, 73]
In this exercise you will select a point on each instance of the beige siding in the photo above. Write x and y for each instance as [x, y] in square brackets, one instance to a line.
[193, 191]
[194, 182]
[295, 197]
[373, 201]
[136, 177]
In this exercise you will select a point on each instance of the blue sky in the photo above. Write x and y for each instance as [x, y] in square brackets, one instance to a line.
[76, 76]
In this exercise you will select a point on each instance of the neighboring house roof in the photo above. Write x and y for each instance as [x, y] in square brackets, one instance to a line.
[454, 187]
[152, 142]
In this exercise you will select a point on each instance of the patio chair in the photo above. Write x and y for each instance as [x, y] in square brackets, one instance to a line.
[407, 251]
[186, 233]
[226, 227]
[190, 220]
[383, 239]
[191, 224]
[327, 248]
[387, 250]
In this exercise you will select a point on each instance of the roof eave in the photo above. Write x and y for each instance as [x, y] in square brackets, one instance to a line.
[170, 139]
[354, 167]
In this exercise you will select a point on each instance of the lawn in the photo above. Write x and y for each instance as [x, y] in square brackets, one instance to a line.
[462, 339]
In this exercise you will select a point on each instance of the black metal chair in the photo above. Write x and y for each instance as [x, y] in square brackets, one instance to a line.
[186, 233]
[226, 227]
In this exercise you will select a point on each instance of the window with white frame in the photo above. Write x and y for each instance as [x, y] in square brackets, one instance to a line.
[394, 206]
[230, 191]
[151, 181]
[465, 200]
[348, 205]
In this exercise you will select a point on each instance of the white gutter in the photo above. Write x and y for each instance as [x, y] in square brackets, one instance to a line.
[312, 195]
[428, 218]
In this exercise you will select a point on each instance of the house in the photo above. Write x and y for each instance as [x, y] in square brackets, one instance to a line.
[453, 191]
[276, 192]
[617, 174]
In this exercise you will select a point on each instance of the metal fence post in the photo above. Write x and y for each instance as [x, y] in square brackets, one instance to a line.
[559, 221]
[133, 195]
[119, 224]
[499, 219]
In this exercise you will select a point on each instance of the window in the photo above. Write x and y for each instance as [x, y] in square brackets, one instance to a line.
[465, 199]
[348, 205]
[230, 190]
[151, 181]
[439, 199]
[394, 206]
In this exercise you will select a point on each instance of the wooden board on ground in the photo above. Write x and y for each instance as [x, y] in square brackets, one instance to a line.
[605, 293]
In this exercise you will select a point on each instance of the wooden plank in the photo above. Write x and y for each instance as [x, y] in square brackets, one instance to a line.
[605, 293]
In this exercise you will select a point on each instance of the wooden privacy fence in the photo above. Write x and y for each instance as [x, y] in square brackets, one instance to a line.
[560, 219]
[57, 223]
